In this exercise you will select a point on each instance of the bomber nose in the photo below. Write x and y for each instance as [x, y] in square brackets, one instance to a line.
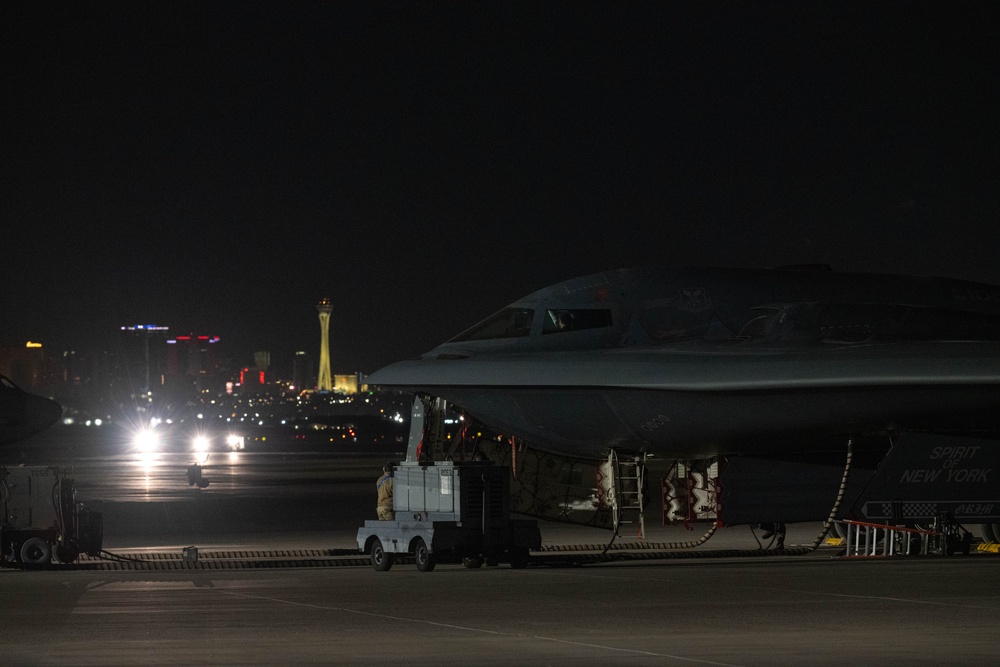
[40, 413]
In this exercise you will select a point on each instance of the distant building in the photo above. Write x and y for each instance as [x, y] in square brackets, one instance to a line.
[346, 384]
[252, 377]
[194, 360]
[139, 356]
[262, 359]
[303, 371]
[29, 367]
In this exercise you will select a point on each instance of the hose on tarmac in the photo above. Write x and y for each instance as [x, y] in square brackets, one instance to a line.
[840, 496]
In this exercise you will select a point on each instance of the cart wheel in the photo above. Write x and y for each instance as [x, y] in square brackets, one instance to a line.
[66, 554]
[519, 558]
[422, 555]
[36, 551]
[473, 562]
[381, 560]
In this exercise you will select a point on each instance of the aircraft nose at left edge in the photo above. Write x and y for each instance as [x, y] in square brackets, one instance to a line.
[40, 413]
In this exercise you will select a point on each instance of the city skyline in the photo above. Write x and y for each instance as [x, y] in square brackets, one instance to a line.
[37, 366]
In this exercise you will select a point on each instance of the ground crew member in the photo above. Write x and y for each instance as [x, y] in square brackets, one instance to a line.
[384, 487]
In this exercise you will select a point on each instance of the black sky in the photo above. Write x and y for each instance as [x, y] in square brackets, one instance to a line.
[219, 167]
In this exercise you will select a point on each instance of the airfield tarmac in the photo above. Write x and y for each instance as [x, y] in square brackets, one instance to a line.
[807, 609]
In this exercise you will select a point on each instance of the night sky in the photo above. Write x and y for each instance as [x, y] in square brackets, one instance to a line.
[219, 167]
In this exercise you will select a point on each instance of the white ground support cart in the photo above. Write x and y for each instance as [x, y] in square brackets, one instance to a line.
[449, 511]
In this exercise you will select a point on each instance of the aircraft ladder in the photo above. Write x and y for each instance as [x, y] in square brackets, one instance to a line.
[629, 478]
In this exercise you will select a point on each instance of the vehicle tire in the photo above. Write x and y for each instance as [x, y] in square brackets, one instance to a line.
[66, 554]
[519, 558]
[422, 555]
[472, 562]
[381, 560]
[36, 551]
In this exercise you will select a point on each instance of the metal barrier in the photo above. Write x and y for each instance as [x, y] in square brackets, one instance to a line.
[873, 540]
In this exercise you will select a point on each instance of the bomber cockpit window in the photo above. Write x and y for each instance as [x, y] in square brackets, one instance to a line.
[508, 323]
[561, 320]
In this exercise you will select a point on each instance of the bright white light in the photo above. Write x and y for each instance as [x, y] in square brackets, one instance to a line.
[97, 422]
[235, 441]
[201, 456]
[68, 421]
[146, 440]
[200, 443]
[234, 457]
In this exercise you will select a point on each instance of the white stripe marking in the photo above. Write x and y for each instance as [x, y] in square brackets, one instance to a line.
[468, 629]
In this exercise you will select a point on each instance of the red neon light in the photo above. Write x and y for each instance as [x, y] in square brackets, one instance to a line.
[262, 377]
